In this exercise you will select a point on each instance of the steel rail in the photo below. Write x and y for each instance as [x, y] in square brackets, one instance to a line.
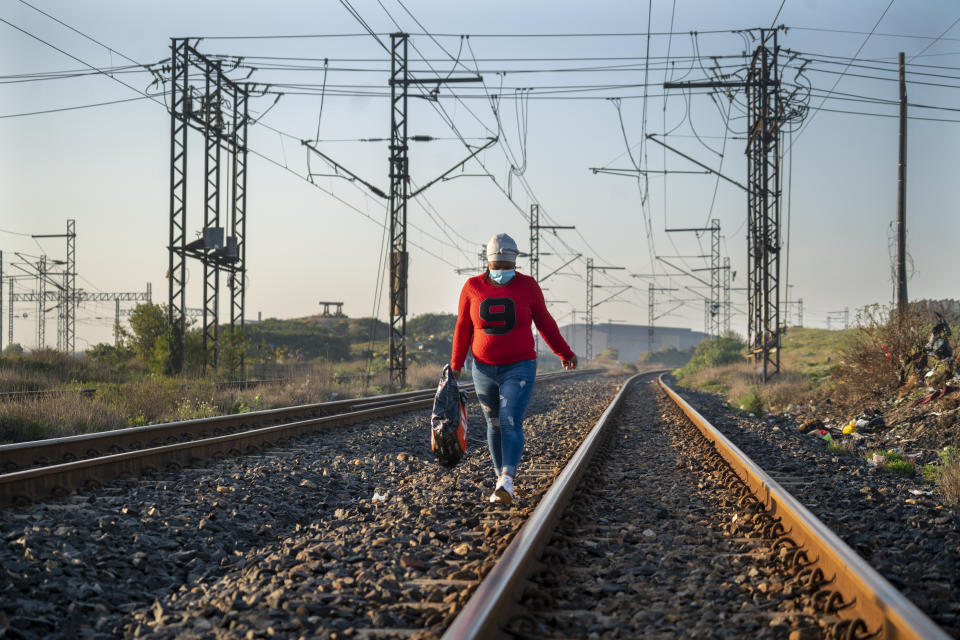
[886, 612]
[58, 479]
[24, 454]
[493, 601]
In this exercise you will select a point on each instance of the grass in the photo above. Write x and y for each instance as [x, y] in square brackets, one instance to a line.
[844, 447]
[946, 475]
[894, 462]
[153, 398]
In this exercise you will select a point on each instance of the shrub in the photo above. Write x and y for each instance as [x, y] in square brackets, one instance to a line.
[751, 402]
[894, 462]
[882, 354]
[946, 475]
[669, 356]
[725, 349]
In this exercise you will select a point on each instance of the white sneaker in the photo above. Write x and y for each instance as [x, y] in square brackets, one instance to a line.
[503, 493]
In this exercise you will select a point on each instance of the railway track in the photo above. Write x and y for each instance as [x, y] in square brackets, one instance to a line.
[56, 466]
[91, 391]
[665, 537]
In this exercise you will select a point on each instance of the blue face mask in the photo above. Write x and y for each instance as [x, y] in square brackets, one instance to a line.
[502, 276]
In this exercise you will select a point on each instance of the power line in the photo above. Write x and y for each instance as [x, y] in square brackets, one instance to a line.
[73, 108]
[812, 115]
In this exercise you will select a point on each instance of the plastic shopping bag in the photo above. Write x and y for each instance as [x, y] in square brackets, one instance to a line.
[448, 421]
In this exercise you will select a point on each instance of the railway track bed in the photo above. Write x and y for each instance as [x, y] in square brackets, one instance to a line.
[893, 522]
[356, 533]
[204, 552]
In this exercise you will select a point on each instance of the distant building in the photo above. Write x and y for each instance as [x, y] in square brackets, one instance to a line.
[630, 340]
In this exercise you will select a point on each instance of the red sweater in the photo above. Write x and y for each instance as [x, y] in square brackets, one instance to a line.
[495, 322]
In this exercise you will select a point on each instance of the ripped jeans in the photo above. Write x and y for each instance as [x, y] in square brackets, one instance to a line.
[504, 392]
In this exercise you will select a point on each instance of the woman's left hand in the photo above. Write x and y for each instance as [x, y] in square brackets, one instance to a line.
[570, 364]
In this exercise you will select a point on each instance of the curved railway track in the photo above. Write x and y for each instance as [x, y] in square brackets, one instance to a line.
[617, 531]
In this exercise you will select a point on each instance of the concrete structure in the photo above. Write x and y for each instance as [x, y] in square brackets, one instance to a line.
[629, 339]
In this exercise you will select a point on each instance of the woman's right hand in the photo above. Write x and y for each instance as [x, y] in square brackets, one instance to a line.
[455, 373]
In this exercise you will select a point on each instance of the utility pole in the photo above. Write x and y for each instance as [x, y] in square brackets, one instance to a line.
[766, 117]
[67, 303]
[712, 310]
[590, 303]
[219, 113]
[535, 228]
[400, 82]
[902, 197]
[41, 301]
[399, 183]
[726, 294]
[1, 301]
[651, 314]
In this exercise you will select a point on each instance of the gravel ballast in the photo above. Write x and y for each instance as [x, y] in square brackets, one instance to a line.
[352, 529]
[894, 522]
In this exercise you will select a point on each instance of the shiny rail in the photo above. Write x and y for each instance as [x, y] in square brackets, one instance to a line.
[153, 448]
[493, 601]
[868, 604]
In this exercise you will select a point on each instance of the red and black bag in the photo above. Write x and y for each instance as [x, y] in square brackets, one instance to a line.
[448, 421]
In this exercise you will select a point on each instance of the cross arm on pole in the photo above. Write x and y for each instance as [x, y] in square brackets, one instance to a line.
[652, 137]
[339, 167]
[698, 278]
[631, 173]
[490, 142]
[576, 257]
[611, 297]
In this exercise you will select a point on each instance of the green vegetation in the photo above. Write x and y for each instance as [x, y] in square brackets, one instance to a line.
[314, 359]
[894, 462]
[751, 402]
[842, 447]
[946, 475]
[668, 356]
[726, 349]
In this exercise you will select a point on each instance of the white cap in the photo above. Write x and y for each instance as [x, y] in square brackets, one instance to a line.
[502, 248]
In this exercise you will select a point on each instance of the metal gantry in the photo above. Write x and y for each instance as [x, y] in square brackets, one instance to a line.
[218, 110]
[66, 302]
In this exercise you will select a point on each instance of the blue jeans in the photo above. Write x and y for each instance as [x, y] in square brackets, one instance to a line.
[504, 392]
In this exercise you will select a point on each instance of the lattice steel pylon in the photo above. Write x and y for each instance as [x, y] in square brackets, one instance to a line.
[588, 348]
[212, 113]
[219, 112]
[726, 294]
[41, 302]
[763, 204]
[70, 284]
[399, 188]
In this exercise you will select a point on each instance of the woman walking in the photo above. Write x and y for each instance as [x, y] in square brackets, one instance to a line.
[493, 320]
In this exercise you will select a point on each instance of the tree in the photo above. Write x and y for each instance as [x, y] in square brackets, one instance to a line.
[13, 348]
[148, 322]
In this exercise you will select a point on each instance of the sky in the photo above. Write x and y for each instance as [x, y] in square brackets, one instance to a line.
[107, 166]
